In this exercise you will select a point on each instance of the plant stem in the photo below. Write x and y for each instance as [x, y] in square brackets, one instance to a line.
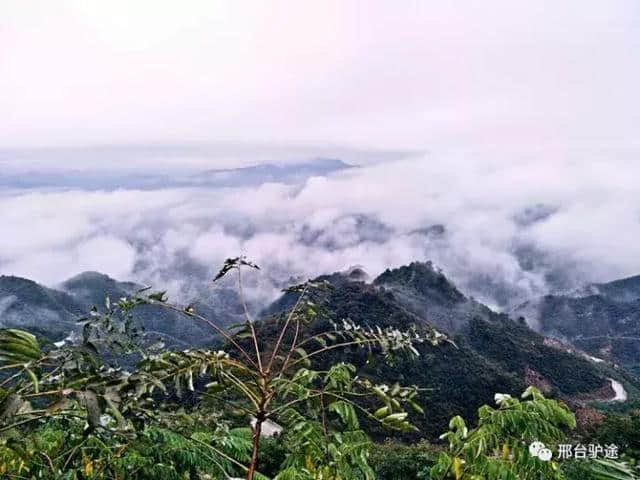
[255, 438]
[284, 330]
[250, 322]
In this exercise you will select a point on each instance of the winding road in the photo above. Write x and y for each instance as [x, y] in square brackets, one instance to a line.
[618, 388]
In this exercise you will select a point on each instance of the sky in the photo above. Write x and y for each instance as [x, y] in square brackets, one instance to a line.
[515, 125]
[374, 74]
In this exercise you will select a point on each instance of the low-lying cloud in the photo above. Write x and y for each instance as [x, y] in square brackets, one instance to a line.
[504, 227]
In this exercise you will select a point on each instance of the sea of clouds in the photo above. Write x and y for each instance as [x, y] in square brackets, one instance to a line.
[503, 226]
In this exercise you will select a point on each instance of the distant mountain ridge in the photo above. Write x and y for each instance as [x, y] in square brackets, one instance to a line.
[53, 313]
[601, 318]
[292, 172]
[27, 304]
[91, 288]
[622, 290]
[269, 172]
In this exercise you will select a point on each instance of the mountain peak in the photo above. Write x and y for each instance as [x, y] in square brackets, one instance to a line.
[89, 275]
[357, 274]
[14, 280]
[269, 172]
[623, 290]
[92, 287]
[27, 304]
[423, 278]
[13, 285]
[425, 291]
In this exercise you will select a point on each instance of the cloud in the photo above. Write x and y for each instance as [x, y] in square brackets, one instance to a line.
[464, 212]
[530, 113]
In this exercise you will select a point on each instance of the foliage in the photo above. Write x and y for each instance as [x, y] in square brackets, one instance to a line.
[515, 347]
[622, 430]
[498, 448]
[113, 403]
[272, 455]
[59, 449]
[598, 469]
[113, 389]
[398, 461]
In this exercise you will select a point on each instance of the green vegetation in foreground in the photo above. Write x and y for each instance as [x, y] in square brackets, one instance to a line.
[115, 405]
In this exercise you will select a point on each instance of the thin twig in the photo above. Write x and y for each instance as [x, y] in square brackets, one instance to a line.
[249, 321]
[218, 329]
[285, 327]
[332, 347]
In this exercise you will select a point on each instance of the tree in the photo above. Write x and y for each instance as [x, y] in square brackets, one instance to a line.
[128, 389]
[499, 447]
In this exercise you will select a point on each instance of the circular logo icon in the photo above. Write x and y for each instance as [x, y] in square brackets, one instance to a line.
[535, 447]
[544, 454]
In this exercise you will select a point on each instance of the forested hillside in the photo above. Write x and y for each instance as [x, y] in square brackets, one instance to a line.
[394, 360]
[602, 319]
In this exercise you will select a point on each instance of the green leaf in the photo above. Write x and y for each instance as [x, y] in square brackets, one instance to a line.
[303, 356]
[382, 412]
[34, 380]
[347, 413]
[17, 346]
[158, 296]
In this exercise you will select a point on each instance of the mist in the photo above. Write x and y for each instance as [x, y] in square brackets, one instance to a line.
[505, 228]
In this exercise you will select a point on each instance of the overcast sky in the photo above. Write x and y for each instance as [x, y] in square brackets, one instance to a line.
[371, 74]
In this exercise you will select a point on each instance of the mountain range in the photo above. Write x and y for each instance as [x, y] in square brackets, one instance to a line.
[602, 319]
[250, 176]
[490, 352]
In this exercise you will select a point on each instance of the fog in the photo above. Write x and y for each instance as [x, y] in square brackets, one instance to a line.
[504, 228]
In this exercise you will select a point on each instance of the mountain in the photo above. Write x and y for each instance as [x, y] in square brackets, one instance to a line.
[623, 290]
[426, 292]
[91, 288]
[264, 173]
[492, 352]
[26, 304]
[602, 319]
[53, 313]
[293, 172]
